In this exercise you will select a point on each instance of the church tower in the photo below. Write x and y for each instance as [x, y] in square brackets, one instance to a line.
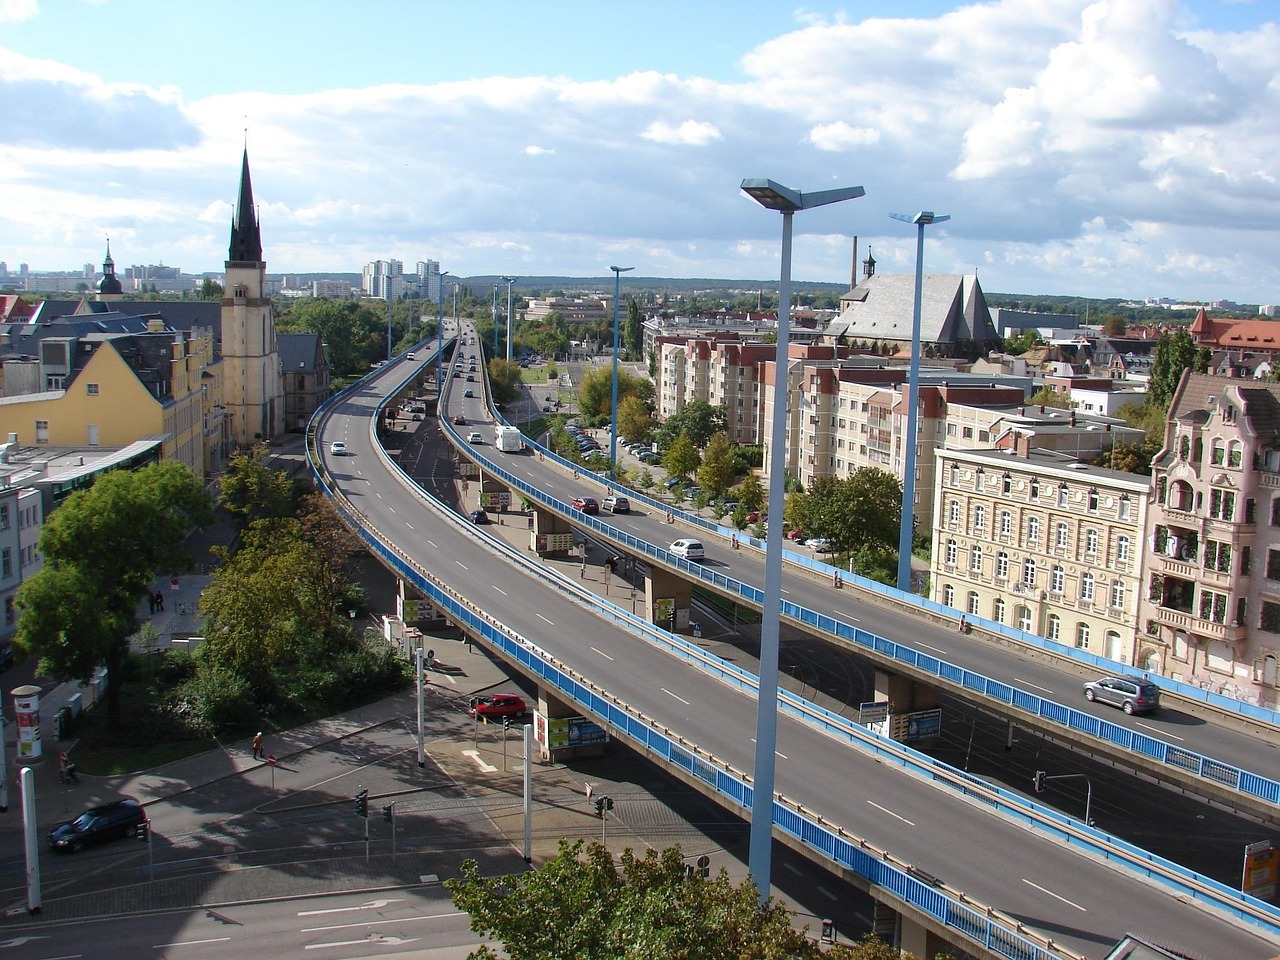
[109, 287]
[253, 385]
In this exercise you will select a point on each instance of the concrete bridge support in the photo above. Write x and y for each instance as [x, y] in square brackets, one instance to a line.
[550, 533]
[558, 742]
[667, 600]
[904, 694]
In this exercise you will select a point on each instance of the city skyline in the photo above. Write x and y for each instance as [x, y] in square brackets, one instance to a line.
[1104, 150]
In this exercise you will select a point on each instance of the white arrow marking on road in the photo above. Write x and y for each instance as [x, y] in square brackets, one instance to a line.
[370, 923]
[371, 905]
[484, 767]
[19, 941]
[189, 943]
[376, 939]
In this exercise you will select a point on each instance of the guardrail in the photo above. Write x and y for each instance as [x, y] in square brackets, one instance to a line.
[1208, 769]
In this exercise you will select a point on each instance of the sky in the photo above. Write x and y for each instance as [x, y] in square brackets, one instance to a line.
[1101, 148]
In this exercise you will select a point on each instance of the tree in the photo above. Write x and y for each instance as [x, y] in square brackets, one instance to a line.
[102, 550]
[697, 419]
[681, 458]
[862, 509]
[750, 492]
[252, 490]
[1022, 342]
[1175, 352]
[504, 379]
[717, 470]
[595, 391]
[1048, 397]
[634, 330]
[1114, 326]
[210, 289]
[634, 419]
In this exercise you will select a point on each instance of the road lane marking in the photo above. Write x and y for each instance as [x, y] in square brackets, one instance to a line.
[493, 586]
[371, 905]
[188, 943]
[1163, 733]
[891, 813]
[793, 869]
[776, 753]
[1028, 683]
[432, 544]
[376, 939]
[670, 694]
[841, 615]
[602, 653]
[827, 893]
[544, 619]
[1069, 903]
[462, 565]
[928, 646]
[374, 923]
[408, 524]
[484, 767]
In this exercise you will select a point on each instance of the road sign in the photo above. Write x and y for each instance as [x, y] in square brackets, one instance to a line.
[874, 712]
[271, 760]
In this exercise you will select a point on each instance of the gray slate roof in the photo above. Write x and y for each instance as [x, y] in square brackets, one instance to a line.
[952, 309]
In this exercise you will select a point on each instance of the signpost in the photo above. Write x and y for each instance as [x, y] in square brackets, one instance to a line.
[271, 762]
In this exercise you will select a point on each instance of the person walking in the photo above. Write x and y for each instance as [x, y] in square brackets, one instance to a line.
[159, 602]
[258, 752]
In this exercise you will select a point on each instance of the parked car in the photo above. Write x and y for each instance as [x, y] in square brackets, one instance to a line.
[338, 448]
[688, 548]
[474, 437]
[795, 533]
[120, 818]
[497, 706]
[1128, 693]
[479, 516]
[616, 504]
[586, 504]
[672, 482]
[820, 544]
[647, 456]
[6, 657]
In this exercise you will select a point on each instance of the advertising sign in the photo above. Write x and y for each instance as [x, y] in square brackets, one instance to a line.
[27, 710]
[1261, 863]
[495, 500]
[415, 610]
[573, 732]
[922, 725]
[553, 542]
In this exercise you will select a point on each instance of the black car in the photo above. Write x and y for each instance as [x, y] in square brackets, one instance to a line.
[479, 516]
[120, 818]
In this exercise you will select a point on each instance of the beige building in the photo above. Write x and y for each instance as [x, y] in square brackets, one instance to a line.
[1034, 540]
[1210, 613]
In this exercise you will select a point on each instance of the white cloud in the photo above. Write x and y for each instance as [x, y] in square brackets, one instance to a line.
[534, 150]
[839, 136]
[695, 133]
[15, 11]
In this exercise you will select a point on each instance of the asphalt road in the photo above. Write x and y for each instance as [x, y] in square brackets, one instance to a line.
[1080, 902]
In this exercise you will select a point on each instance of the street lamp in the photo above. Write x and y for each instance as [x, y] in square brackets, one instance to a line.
[495, 318]
[440, 334]
[913, 400]
[510, 282]
[613, 420]
[774, 196]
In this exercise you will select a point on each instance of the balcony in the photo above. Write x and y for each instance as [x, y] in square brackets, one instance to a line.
[1182, 518]
[1178, 568]
[1203, 628]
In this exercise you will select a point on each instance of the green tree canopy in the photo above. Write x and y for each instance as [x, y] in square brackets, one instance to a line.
[1048, 397]
[251, 490]
[716, 473]
[635, 422]
[633, 332]
[595, 392]
[681, 458]
[1175, 352]
[354, 333]
[697, 419]
[210, 289]
[1114, 326]
[862, 509]
[103, 548]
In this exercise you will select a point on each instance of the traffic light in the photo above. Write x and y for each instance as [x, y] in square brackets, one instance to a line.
[506, 724]
[144, 831]
[362, 803]
[603, 804]
[1039, 781]
[388, 812]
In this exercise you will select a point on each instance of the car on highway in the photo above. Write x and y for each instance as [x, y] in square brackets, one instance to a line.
[338, 448]
[119, 818]
[470, 378]
[479, 516]
[474, 437]
[411, 356]
[688, 548]
[460, 420]
[468, 393]
[1130, 694]
[616, 504]
[497, 706]
[586, 504]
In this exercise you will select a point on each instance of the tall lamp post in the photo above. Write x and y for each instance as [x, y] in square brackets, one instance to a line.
[510, 282]
[906, 528]
[440, 334]
[495, 318]
[613, 420]
[774, 196]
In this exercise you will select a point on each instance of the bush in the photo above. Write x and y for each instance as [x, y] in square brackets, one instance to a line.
[216, 700]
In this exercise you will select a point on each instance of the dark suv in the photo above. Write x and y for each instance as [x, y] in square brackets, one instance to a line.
[120, 818]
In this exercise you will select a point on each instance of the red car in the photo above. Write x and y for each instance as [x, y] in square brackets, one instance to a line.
[586, 504]
[497, 706]
[754, 515]
[460, 420]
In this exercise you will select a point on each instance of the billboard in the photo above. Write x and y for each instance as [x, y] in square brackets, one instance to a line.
[558, 732]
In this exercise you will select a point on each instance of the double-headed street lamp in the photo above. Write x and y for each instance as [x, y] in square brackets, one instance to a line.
[495, 318]
[774, 196]
[613, 420]
[440, 333]
[510, 282]
[906, 528]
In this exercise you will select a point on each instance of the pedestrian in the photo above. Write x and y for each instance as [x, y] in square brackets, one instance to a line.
[258, 752]
[151, 601]
[159, 601]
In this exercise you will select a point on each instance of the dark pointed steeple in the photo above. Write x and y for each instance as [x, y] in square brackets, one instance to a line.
[246, 239]
[110, 283]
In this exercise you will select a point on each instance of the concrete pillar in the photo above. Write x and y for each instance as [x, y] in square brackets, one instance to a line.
[549, 533]
[667, 599]
[917, 940]
[904, 694]
[556, 742]
[493, 496]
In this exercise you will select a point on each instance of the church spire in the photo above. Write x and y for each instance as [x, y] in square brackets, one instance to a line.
[246, 239]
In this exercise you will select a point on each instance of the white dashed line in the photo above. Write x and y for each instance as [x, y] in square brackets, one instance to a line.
[1069, 903]
[499, 589]
[544, 619]
[891, 813]
[1163, 733]
[602, 653]
[1027, 683]
[670, 694]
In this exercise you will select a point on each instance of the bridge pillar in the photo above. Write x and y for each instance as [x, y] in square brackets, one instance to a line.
[904, 694]
[918, 940]
[493, 495]
[549, 533]
[555, 742]
[667, 599]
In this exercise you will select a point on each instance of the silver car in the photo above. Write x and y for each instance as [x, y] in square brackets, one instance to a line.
[1129, 694]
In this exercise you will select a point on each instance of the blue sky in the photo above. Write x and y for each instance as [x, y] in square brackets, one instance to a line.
[1114, 148]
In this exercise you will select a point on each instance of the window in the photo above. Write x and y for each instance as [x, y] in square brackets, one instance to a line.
[948, 596]
[91, 389]
[1123, 548]
[951, 553]
[1093, 500]
[1235, 454]
[954, 474]
[1091, 542]
[953, 512]
[1062, 495]
[1002, 566]
[979, 517]
[1126, 508]
[1006, 523]
[972, 605]
[1218, 452]
[1082, 635]
[997, 610]
[1117, 594]
[1060, 537]
[1213, 606]
[1217, 556]
[4, 516]
[1054, 628]
[1270, 620]
[1033, 530]
[975, 559]
[6, 563]
[1222, 504]
[1024, 619]
[1035, 487]
[1057, 578]
[10, 611]
[1006, 484]
[1086, 587]
[1029, 572]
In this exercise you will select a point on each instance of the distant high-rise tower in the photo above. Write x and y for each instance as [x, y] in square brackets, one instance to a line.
[253, 385]
[109, 287]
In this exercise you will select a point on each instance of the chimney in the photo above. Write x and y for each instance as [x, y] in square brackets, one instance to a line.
[1023, 445]
[853, 269]
[1072, 420]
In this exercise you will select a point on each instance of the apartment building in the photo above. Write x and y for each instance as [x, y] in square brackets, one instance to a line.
[1210, 613]
[1034, 539]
